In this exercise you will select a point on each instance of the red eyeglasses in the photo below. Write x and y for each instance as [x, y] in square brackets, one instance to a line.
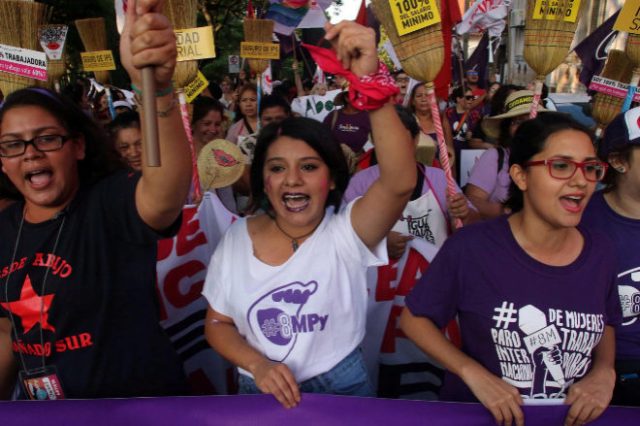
[562, 168]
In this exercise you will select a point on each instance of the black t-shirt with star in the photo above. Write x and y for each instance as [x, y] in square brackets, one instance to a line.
[98, 311]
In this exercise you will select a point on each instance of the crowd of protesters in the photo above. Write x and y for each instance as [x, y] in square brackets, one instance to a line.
[319, 203]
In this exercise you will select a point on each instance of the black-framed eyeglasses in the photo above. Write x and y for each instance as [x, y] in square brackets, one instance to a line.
[43, 143]
[563, 168]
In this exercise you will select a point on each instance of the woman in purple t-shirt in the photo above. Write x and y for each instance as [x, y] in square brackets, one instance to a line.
[489, 180]
[534, 294]
[616, 211]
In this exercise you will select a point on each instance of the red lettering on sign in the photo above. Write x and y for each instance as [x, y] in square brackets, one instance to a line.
[387, 274]
[413, 269]
[172, 284]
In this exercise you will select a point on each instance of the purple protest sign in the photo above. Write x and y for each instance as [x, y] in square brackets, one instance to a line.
[265, 410]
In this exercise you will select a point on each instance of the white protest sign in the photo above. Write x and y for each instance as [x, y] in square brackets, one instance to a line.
[52, 38]
[315, 106]
[468, 158]
[23, 62]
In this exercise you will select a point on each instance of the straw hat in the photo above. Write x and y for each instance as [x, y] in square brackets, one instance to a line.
[517, 103]
[220, 164]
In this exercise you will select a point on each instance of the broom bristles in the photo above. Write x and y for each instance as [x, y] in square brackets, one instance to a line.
[93, 34]
[547, 42]
[260, 31]
[183, 14]
[605, 107]
[421, 52]
[20, 21]
[55, 70]
[633, 48]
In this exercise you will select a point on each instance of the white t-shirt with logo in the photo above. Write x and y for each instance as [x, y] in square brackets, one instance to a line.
[309, 312]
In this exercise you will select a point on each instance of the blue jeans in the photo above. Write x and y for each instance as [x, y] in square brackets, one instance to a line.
[348, 377]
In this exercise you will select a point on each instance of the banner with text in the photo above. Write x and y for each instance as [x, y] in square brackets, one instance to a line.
[181, 268]
[23, 62]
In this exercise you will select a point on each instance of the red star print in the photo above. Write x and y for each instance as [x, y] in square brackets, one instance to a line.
[28, 308]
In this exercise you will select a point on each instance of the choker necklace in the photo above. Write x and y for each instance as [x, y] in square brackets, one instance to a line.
[294, 240]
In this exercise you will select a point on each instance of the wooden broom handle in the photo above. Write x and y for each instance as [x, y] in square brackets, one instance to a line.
[150, 125]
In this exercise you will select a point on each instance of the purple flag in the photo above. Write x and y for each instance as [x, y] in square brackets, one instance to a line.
[592, 50]
[478, 61]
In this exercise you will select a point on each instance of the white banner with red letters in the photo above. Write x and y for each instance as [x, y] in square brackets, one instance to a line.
[182, 268]
[387, 287]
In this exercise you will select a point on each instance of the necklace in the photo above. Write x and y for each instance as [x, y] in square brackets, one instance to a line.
[294, 240]
[44, 282]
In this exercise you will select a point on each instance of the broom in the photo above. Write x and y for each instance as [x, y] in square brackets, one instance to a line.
[93, 34]
[260, 31]
[421, 53]
[606, 107]
[633, 52]
[546, 43]
[55, 71]
[19, 27]
[183, 14]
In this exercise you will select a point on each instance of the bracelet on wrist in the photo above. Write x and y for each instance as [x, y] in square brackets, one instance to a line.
[159, 93]
[160, 113]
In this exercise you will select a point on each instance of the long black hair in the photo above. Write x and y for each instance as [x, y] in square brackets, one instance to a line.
[314, 134]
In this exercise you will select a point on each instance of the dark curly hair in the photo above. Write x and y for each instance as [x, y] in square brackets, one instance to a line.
[100, 158]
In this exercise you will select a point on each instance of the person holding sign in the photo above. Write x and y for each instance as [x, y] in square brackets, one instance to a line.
[77, 266]
[292, 323]
[534, 293]
[616, 211]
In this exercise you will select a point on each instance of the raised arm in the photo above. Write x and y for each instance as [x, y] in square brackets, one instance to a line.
[298, 80]
[374, 214]
[148, 40]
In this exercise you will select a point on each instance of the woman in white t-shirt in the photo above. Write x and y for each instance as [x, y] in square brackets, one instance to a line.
[287, 287]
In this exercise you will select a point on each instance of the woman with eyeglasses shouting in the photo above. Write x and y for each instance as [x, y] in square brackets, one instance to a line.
[534, 293]
[78, 304]
[616, 211]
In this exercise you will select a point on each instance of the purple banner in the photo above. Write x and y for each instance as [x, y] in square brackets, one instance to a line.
[265, 410]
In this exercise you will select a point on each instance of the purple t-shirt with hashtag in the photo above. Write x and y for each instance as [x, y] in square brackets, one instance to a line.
[531, 324]
[625, 236]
